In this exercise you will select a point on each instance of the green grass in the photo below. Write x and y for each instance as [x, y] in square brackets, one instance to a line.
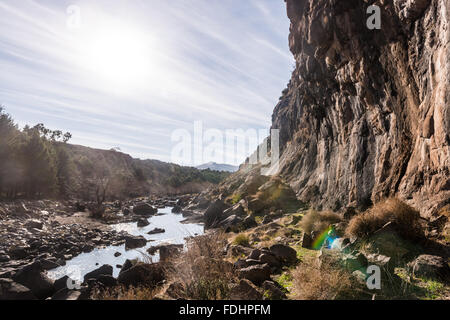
[235, 198]
[285, 280]
[422, 288]
[241, 240]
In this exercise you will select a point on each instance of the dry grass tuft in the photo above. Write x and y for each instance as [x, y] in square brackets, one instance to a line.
[406, 219]
[318, 221]
[202, 273]
[241, 240]
[324, 282]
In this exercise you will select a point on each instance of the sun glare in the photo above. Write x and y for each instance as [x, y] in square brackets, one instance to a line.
[117, 55]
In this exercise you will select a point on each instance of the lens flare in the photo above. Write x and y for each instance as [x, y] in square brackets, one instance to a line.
[326, 237]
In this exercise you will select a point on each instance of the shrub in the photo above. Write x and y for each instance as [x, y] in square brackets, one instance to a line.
[202, 273]
[241, 240]
[406, 219]
[324, 282]
[318, 221]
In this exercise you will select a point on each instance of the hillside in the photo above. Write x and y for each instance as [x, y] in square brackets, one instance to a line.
[37, 162]
[134, 177]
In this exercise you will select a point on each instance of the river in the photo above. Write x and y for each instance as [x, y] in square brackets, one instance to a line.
[176, 232]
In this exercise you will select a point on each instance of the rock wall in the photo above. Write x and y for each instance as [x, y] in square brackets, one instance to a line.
[366, 114]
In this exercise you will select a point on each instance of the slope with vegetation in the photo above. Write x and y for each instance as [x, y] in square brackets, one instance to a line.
[36, 162]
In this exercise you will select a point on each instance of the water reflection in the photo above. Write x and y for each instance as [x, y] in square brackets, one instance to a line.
[175, 233]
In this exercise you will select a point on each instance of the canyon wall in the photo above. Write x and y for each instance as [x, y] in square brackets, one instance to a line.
[366, 114]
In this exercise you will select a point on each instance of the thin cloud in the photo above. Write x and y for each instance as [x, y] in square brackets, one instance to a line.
[221, 62]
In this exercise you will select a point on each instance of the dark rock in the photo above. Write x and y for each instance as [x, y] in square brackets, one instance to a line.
[230, 224]
[10, 290]
[48, 264]
[20, 252]
[144, 209]
[256, 274]
[33, 277]
[255, 254]
[95, 274]
[272, 291]
[127, 265]
[133, 242]
[140, 274]
[237, 210]
[214, 214]
[61, 283]
[270, 259]
[249, 222]
[307, 241]
[156, 231]
[177, 209]
[245, 290]
[142, 222]
[284, 253]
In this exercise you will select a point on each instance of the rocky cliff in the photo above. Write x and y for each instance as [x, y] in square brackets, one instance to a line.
[366, 114]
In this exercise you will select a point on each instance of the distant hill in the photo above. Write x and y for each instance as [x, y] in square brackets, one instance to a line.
[218, 167]
[134, 177]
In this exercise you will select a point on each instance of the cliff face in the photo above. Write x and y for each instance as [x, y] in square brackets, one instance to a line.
[366, 114]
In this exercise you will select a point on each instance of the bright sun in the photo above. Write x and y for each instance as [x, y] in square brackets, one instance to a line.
[118, 55]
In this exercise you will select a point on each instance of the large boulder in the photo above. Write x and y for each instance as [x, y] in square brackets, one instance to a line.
[215, 213]
[284, 253]
[256, 273]
[95, 274]
[431, 267]
[10, 290]
[144, 209]
[272, 291]
[245, 290]
[142, 274]
[133, 242]
[33, 277]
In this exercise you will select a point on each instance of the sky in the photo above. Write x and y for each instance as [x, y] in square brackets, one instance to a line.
[138, 74]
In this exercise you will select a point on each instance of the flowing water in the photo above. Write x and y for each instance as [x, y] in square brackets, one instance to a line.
[176, 232]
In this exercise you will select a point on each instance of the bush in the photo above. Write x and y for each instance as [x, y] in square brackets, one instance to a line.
[318, 221]
[324, 282]
[241, 240]
[406, 219]
[202, 273]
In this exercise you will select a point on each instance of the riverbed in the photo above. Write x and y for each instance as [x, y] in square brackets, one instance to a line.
[175, 233]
